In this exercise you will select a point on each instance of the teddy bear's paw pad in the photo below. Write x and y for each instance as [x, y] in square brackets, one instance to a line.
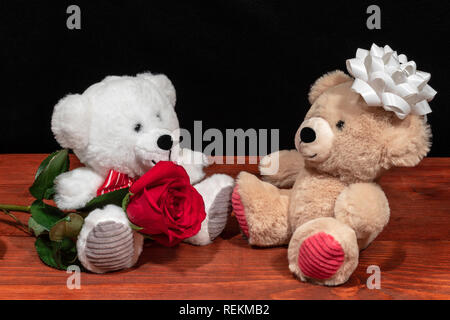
[110, 246]
[239, 211]
[219, 212]
[320, 256]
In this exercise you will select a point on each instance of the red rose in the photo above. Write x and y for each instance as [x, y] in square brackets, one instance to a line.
[166, 205]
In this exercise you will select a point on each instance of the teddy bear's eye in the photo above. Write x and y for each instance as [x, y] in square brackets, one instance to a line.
[340, 124]
[158, 115]
[138, 127]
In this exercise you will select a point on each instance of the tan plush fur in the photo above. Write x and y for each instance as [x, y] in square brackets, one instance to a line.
[290, 165]
[313, 197]
[335, 194]
[325, 82]
[270, 227]
[367, 220]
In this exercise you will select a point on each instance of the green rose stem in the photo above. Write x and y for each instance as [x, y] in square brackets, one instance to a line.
[6, 208]
[12, 207]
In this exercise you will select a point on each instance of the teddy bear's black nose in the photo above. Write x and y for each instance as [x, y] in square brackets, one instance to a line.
[165, 142]
[307, 135]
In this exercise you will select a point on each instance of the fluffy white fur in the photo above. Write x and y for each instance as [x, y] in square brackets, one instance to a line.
[108, 213]
[216, 192]
[76, 187]
[192, 161]
[100, 126]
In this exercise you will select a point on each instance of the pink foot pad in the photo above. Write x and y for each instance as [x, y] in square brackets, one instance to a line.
[239, 211]
[320, 256]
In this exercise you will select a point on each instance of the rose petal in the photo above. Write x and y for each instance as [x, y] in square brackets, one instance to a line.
[166, 205]
[162, 171]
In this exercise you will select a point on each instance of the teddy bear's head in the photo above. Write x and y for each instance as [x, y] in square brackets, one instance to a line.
[343, 136]
[122, 123]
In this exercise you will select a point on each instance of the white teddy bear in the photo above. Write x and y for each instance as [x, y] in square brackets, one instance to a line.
[127, 124]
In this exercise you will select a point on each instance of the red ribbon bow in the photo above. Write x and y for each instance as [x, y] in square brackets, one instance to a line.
[115, 181]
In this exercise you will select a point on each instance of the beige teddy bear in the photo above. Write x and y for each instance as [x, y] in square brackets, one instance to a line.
[323, 201]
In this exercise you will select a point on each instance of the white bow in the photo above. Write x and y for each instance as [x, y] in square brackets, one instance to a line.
[386, 79]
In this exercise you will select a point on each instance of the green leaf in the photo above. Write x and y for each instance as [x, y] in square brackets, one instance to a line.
[45, 215]
[74, 225]
[36, 227]
[125, 202]
[134, 227]
[58, 230]
[44, 248]
[44, 164]
[49, 193]
[57, 254]
[50, 168]
[68, 227]
[114, 197]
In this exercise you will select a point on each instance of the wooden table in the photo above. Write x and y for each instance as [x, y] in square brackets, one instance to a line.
[413, 252]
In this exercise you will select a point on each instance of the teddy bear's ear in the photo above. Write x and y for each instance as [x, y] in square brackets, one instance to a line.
[407, 142]
[70, 122]
[163, 83]
[110, 78]
[325, 82]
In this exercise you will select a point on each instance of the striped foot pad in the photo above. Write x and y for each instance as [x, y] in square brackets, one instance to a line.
[219, 212]
[239, 211]
[110, 246]
[320, 256]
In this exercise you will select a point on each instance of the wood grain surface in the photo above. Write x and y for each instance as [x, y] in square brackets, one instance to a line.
[413, 252]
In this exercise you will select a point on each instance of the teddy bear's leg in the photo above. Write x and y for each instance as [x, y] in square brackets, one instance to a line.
[216, 192]
[282, 168]
[324, 251]
[365, 208]
[106, 241]
[261, 210]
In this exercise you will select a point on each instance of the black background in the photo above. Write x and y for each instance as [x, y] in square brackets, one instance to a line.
[235, 63]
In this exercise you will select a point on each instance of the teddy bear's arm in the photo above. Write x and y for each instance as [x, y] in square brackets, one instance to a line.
[77, 187]
[281, 168]
[193, 162]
